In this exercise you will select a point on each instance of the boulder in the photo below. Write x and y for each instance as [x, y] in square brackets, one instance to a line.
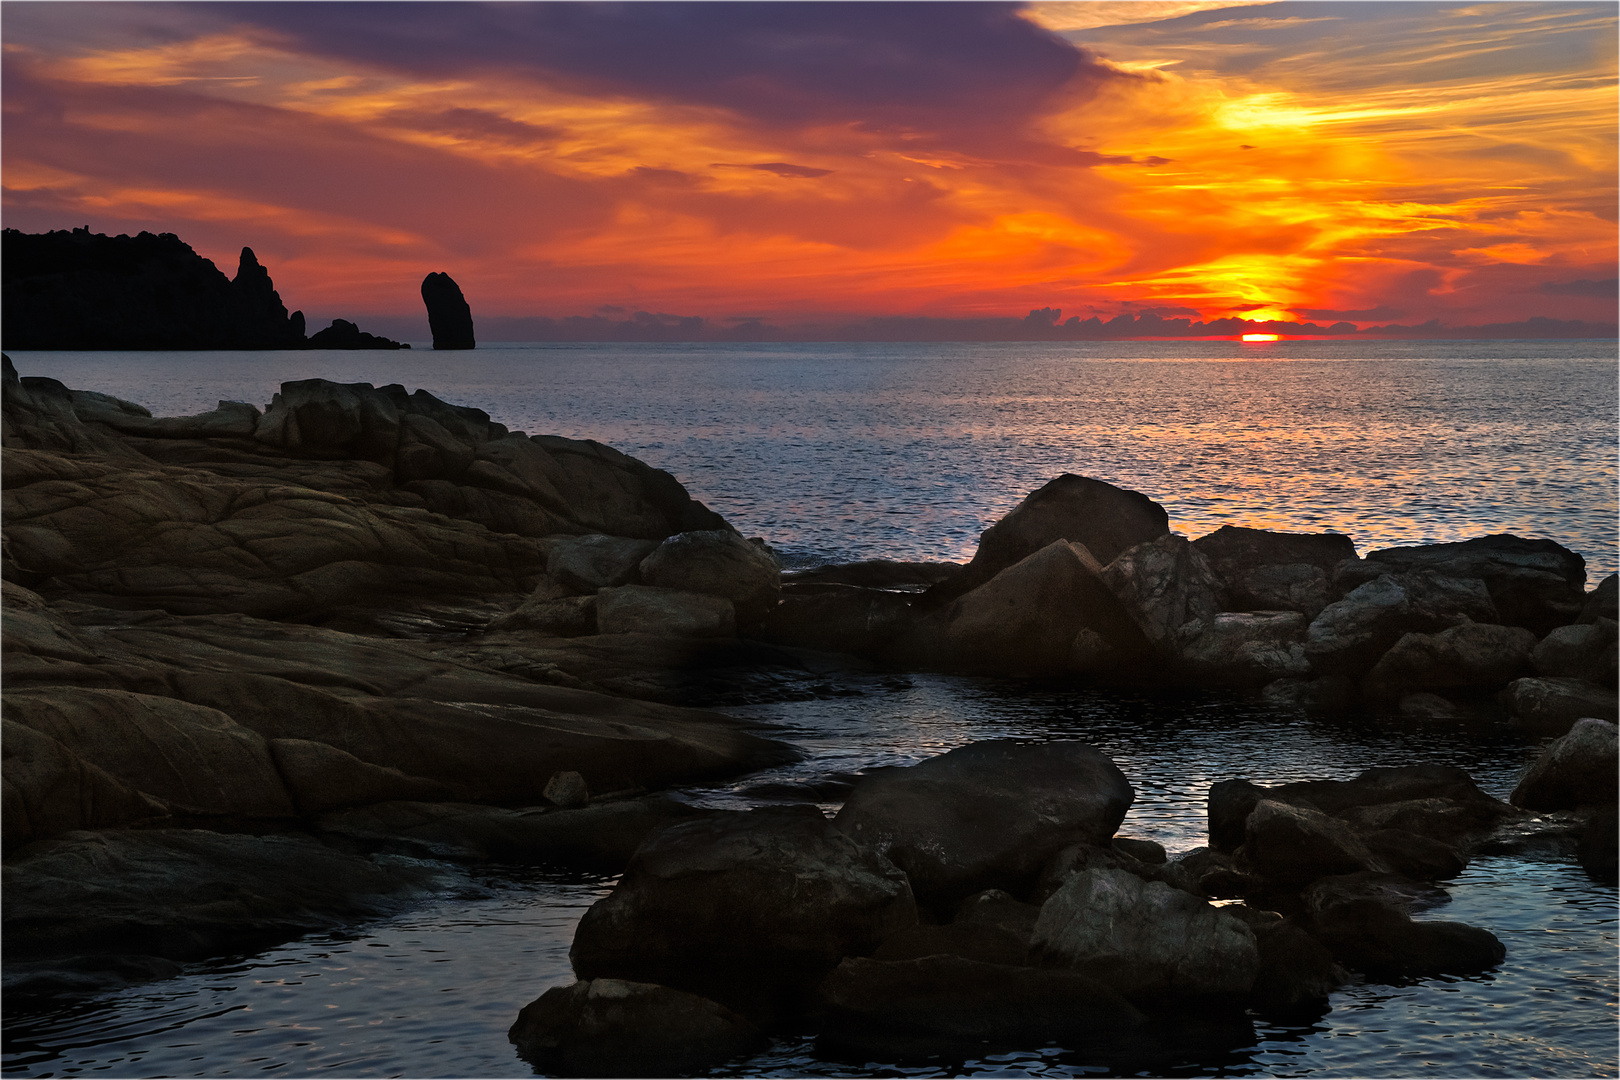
[986, 815]
[1603, 602]
[998, 908]
[1148, 851]
[950, 1005]
[562, 616]
[1537, 584]
[1582, 651]
[449, 317]
[567, 790]
[984, 942]
[1105, 519]
[1552, 705]
[1215, 875]
[612, 1027]
[1348, 636]
[836, 618]
[1163, 584]
[1296, 972]
[1242, 649]
[1234, 551]
[749, 909]
[717, 562]
[1598, 848]
[646, 609]
[1080, 857]
[186, 894]
[1293, 845]
[1425, 706]
[1377, 938]
[1297, 587]
[1048, 613]
[1470, 656]
[1578, 769]
[1140, 937]
[583, 564]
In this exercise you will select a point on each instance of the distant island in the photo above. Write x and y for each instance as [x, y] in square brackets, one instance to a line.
[82, 290]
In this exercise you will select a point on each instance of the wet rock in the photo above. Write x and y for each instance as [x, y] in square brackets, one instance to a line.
[1296, 972]
[1048, 613]
[1552, 705]
[1471, 656]
[1599, 845]
[717, 562]
[646, 609]
[600, 837]
[49, 790]
[1295, 844]
[1104, 519]
[612, 1027]
[449, 317]
[1582, 651]
[1371, 933]
[749, 909]
[1242, 649]
[987, 815]
[1577, 769]
[942, 1004]
[186, 894]
[1141, 937]
[1426, 706]
[886, 574]
[584, 564]
[1163, 584]
[1536, 584]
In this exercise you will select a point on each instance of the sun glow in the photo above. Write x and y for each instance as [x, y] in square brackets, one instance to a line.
[1261, 337]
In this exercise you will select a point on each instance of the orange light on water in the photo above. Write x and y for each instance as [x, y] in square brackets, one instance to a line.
[1260, 337]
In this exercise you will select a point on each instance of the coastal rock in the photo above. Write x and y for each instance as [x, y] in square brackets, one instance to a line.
[449, 317]
[884, 574]
[649, 610]
[1603, 602]
[1377, 938]
[1297, 587]
[1582, 651]
[1077, 858]
[1295, 974]
[1475, 656]
[1553, 705]
[566, 616]
[584, 564]
[1048, 613]
[1242, 649]
[1105, 519]
[48, 790]
[1329, 692]
[749, 909]
[978, 941]
[1141, 937]
[613, 1027]
[343, 334]
[837, 618]
[1163, 584]
[1296, 844]
[1577, 769]
[567, 790]
[1598, 848]
[986, 815]
[1234, 551]
[717, 562]
[1537, 584]
[1348, 636]
[320, 778]
[1426, 706]
[186, 894]
[949, 1004]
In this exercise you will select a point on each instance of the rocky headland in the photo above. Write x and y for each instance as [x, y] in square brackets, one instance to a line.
[267, 668]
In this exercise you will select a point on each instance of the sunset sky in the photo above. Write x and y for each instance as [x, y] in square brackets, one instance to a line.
[804, 163]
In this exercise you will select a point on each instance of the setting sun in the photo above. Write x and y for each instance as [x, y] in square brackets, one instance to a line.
[1260, 337]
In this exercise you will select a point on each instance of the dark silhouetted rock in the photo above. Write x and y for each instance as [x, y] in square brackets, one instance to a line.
[1140, 937]
[1250, 648]
[717, 562]
[1552, 705]
[343, 334]
[877, 574]
[837, 618]
[983, 942]
[1470, 656]
[1294, 845]
[1296, 972]
[1234, 551]
[1582, 651]
[1382, 941]
[1536, 584]
[644, 609]
[1326, 693]
[449, 317]
[987, 815]
[584, 564]
[612, 1027]
[1603, 602]
[83, 290]
[749, 909]
[1598, 848]
[1163, 584]
[953, 1005]
[1575, 770]
[1105, 519]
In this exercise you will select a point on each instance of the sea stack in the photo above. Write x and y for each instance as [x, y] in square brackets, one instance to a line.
[448, 313]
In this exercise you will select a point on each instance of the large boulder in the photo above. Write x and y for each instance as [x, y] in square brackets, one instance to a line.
[1536, 584]
[583, 564]
[943, 1004]
[1577, 769]
[1144, 938]
[1105, 519]
[987, 815]
[449, 317]
[1050, 612]
[645, 609]
[1251, 648]
[613, 1027]
[1552, 705]
[1348, 636]
[1470, 656]
[1366, 932]
[1163, 584]
[1603, 602]
[748, 909]
[1293, 845]
[1261, 570]
[717, 562]
[1581, 651]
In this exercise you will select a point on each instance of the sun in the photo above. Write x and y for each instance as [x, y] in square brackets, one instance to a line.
[1261, 337]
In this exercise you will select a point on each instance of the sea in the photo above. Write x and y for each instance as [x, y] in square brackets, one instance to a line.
[838, 452]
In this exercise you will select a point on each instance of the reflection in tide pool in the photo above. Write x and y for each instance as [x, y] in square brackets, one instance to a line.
[431, 993]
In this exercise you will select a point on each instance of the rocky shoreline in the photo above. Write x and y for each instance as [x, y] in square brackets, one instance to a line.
[264, 668]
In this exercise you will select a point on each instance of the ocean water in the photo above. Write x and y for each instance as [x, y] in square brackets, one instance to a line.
[908, 451]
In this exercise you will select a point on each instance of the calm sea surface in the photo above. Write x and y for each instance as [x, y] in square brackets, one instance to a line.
[846, 451]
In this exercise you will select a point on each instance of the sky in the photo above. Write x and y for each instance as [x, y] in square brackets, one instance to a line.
[821, 164]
